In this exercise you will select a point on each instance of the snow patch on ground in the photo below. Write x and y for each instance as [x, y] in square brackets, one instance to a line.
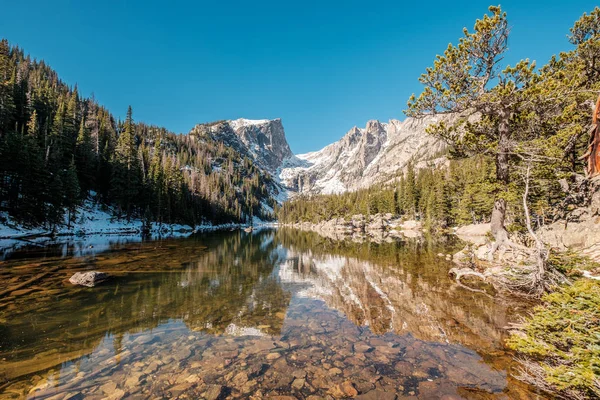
[95, 226]
[589, 275]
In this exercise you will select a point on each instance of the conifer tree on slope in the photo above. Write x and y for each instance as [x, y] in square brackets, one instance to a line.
[519, 115]
[7, 106]
[85, 158]
[126, 174]
[467, 80]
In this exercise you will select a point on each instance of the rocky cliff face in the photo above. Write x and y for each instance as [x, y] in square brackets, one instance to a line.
[262, 140]
[363, 157]
[579, 227]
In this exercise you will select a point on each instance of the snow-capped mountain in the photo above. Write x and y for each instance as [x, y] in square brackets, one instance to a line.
[262, 140]
[362, 157]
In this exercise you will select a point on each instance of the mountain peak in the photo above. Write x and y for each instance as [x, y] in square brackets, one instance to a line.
[363, 157]
[374, 124]
[242, 122]
[262, 140]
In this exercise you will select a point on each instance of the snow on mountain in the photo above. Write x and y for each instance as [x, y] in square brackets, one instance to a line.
[242, 122]
[262, 140]
[363, 157]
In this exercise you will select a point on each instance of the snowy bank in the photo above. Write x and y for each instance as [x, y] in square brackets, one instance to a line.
[96, 227]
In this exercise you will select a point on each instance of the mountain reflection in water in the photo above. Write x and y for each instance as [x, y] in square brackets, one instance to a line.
[275, 312]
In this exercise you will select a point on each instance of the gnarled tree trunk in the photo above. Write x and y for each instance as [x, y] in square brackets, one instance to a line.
[592, 154]
[502, 175]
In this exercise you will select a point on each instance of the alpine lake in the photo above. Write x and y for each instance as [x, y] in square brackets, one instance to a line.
[275, 313]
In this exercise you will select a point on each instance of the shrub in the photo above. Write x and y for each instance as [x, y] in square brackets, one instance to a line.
[560, 342]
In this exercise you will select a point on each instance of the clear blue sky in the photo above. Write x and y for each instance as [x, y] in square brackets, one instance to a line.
[321, 66]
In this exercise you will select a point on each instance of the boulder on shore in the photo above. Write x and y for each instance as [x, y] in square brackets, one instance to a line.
[89, 278]
[475, 233]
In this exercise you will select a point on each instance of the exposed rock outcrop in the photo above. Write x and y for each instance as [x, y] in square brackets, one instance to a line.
[579, 229]
[364, 156]
[378, 227]
[476, 233]
[262, 140]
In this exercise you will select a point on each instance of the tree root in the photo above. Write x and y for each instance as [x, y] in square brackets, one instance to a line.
[459, 273]
[525, 279]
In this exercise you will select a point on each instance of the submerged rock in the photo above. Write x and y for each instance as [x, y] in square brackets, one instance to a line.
[89, 279]
[214, 392]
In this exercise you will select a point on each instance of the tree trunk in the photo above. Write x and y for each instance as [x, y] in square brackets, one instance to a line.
[592, 154]
[502, 176]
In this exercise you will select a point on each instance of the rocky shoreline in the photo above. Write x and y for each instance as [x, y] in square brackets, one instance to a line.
[580, 236]
[377, 227]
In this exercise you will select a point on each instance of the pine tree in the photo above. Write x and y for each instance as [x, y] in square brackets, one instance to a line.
[85, 158]
[70, 121]
[33, 126]
[409, 194]
[126, 174]
[33, 207]
[72, 191]
[7, 106]
[466, 80]
[58, 145]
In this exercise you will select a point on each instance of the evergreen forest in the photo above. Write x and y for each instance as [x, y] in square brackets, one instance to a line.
[59, 149]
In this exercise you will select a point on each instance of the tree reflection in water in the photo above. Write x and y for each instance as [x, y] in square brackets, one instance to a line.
[237, 314]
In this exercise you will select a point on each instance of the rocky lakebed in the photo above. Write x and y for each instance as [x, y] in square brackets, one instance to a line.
[270, 314]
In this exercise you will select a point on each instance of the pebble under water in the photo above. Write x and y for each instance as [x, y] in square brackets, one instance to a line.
[271, 314]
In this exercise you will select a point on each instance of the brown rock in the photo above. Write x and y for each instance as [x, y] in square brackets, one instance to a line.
[298, 383]
[179, 389]
[344, 389]
[377, 395]
[152, 367]
[213, 392]
[182, 354]
[362, 348]
[116, 395]
[404, 368]
[133, 380]
[240, 379]
[109, 388]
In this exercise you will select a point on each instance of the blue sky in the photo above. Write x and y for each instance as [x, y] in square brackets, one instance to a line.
[321, 66]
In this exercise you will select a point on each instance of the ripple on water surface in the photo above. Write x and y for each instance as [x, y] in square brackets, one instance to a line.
[239, 315]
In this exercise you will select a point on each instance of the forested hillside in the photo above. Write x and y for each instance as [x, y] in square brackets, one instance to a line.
[458, 193]
[57, 148]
